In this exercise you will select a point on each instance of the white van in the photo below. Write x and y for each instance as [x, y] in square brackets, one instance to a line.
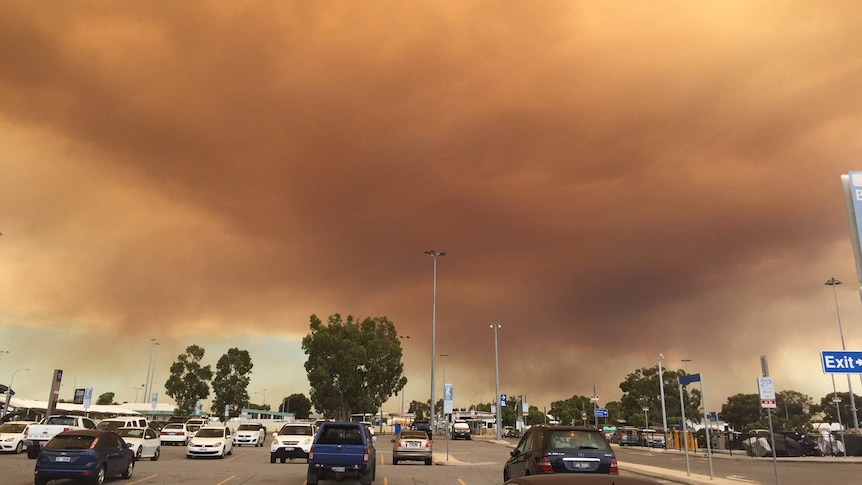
[122, 422]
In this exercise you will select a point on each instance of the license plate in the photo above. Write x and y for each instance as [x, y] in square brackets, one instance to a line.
[173, 433]
[338, 468]
[65, 459]
[288, 448]
[413, 445]
[582, 464]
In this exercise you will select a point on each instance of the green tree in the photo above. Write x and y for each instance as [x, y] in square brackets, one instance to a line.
[352, 366]
[641, 389]
[830, 415]
[743, 412]
[534, 416]
[420, 410]
[230, 384]
[106, 398]
[189, 381]
[297, 404]
[794, 411]
[570, 411]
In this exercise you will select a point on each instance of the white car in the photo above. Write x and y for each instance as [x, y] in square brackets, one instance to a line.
[211, 441]
[249, 434]
[145, 442]
[293, 440]
[175, 434]
[12, 436]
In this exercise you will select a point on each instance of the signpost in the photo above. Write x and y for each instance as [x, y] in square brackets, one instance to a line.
[767, 401]
[841, 361]
[683, 381]
[601, 413]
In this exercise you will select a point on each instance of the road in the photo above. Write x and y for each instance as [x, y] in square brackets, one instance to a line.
[476, 462]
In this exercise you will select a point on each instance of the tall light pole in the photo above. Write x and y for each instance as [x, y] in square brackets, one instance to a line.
[663, 407]
[148, 385]
[833, 283]
[9, 392]
[434, 254]
[402, 375]
[496, 326]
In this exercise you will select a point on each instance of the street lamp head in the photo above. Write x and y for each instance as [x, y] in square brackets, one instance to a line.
[497, 325]
[434, 253]
[833, 282]
[660, 356]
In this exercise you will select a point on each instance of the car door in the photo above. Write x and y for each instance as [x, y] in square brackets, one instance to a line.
[518, 463]
[228, 441]
[151, 442]
[113, 447]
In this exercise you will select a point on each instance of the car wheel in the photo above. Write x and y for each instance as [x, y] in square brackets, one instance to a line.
[20, 447]
[427, 461]
[32, 453]
[100, 476]
[41, 481]
[156, 454]
[139, 453]
[311, 479]
[395, 461]
[272, 458]
[366, 478]
[230, 451]
[129, 470]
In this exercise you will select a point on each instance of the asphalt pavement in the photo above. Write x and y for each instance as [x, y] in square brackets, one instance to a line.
[681, 476]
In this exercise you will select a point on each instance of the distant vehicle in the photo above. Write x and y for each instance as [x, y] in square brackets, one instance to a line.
[461, 430]
[12, 436]
[369, 425]
[411, 445]
[422, 425]
[510, 432]
[211, 441]
[86, 454]
[122, 422]
[561, 449]
[575, 479]
[249, 434]
[144, 442]
[175, 434]
[293, 440]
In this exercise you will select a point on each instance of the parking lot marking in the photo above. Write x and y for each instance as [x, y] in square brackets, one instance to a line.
[461, 482]
[141, 480]
[225, 481]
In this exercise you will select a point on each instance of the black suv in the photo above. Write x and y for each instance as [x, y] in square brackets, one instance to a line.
[561, 449]
[423, 426]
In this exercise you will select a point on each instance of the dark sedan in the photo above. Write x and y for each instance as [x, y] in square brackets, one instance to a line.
[561, 449]
[90, 454]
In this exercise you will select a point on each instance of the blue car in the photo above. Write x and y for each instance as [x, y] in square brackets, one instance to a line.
[86, 454]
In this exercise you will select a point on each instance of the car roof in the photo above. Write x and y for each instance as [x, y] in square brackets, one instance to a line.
[134, 427]
[86, 432]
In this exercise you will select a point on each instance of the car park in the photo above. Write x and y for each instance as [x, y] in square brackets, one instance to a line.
[249, 434]
[293, 440]
[175, 434]
[411, 445]
[144, 442]
[86, 454]
[561, 449]
[211, 441]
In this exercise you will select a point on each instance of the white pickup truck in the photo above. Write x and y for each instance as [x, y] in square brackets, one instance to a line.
[39, 434]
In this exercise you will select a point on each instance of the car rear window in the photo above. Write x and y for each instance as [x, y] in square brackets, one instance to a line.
[295, 430]
[341, 435]
[71, 442]
[414, 435]
[567, 440]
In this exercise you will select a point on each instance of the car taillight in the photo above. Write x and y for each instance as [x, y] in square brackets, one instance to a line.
[614, 469]
[545, 466]
[26, 429]
[427, 444]
[311, 454]
[366, 456]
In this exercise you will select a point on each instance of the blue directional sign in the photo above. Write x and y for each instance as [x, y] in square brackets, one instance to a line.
[502, 399]
[601, 413]
[688, 379]
[841, 361]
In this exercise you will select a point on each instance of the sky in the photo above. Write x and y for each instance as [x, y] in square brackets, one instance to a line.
[611, 181]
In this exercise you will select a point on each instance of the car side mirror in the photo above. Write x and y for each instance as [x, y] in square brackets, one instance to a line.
[128, 445]
[392, 441]
[514, 453]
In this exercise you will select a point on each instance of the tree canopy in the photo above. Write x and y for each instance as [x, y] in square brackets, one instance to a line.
[230, 384]
[296, 403]
[189, 381]
[352, 366]
[106, 398]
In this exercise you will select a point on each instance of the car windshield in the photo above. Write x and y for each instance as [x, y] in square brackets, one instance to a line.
[249, 427]
[12, 427]
[71, 442]
[295, 430]
[131, 432]
[563, 440]
[209, 433]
